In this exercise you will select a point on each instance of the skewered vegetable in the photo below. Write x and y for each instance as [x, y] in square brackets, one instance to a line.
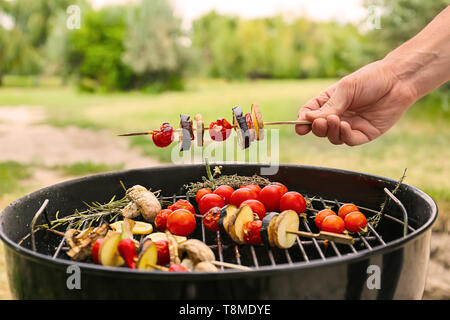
[127, 250]
[225, 214]
[355, 221]
[187, 133]
[252, 232]
[96, 249]
[161, 219]
[270, 196]
[164, 136]
[181, 222]
[243, 133]
[109, 254]
[257, 207]
[205, 266]
[162, 247]
[242, 194]
[257, 122]
[333, 223]
[138, 228]
[266, 229]
[346, 209]
[287, 220]
[148, 256]
[182, 204]
[200, 129]
[157, 236]
[211, 218]
[220, 130]
[294, 201]
[200, 193]
[196, 250]
[81, 242]
[209, 201]
[237, 221]
[225, 192]
[145, 200]
[321, 215]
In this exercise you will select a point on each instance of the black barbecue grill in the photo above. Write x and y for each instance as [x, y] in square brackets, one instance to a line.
[315, 269]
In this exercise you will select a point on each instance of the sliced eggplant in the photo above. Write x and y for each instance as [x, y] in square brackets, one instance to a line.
[257, 121]
[237, 222]
[241, 128]
[287, 220]
[200, 129]
[187, 132]
[267, 225]
[224, 220]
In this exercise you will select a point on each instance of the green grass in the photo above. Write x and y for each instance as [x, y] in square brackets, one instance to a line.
[11, 174]
[85, 168]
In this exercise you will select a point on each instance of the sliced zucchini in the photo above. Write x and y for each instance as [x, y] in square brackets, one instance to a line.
[267, 225]
[148, 256]
[224, 220]
[287, 220]
[237, 222]
[200, 129]
[241, 128]
[187, 133]
[109, 253]
[258, 122]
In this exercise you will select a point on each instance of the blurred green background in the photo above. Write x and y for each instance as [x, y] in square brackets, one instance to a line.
[132, 67]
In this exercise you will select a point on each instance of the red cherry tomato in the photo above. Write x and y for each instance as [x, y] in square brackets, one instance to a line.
[333, 223]
[96, 249]
[355, 221]
[346, 209]
[283, 188]
[294, 201]
[220, 130]
[181, 222]
[178, 268]
[225, 192]
[322, 215]
[211, 218]
[164, 136]
[257, 207]
[209, 201]
[201, 193]
[182, 204]
[252, 232]
[270, 196]
[161, 219]
[242, 194]
[163, 252]
[254, 187]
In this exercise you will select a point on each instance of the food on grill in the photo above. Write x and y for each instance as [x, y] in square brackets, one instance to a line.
[200, 193]
[187, 133]
[252, 232]
[131, 211]
[321, 215]
[253, 187]
[161, 219]
[242, 194]
[205, 266]
[346, 209]
[257, 207]
[164, 136]
[182, 204]
[287, 220]
[181, 222]
[145, 201]
[283, 188]
[257, 122]
[158, 236]
[211, 218]
[174, 258]
[225, 215]
[225, 192]
[127, 250]
[241, 127]
[139, 227]
[220, 130]
[355, 221]
[109, 253]
[209, 201]
[267, 228]
[333, 223]
[148, 257]
[162, 247]
[196, 251]
[294, 201]
[237, 221]
[187, 263]
[176, 267]
[81, 242]
[251, 126]
[96, 249]
[200, 129]
[270, 196]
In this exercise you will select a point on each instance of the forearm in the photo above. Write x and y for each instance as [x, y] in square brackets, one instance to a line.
[423, 62]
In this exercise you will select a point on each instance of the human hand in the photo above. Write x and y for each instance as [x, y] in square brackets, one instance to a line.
[360, 107]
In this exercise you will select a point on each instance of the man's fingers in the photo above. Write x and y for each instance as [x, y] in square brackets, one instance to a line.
[334, 129]
[312, 104]
[352, 137]
[320, 127]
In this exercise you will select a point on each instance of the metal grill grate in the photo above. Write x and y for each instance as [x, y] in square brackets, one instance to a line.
[304, 250]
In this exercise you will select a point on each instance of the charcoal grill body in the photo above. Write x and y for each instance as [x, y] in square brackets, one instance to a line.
[401, 263]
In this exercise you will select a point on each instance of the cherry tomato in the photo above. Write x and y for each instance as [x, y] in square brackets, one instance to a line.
[257, 207]
[355, 221]
[252, 232]
[181, 222]
[333, 223]
[178, 268]
[182, 204]
[346, 209]
[254, 187]
[161, 219]
[294, 201]
[96, 249]
[322, 215]
[242, 194]
[164, 136]
[201, 193]
[163, 252]
[225, 192]
[209, 201]
[220, 130]
[282, 186]
[270, 196]
[211, 218]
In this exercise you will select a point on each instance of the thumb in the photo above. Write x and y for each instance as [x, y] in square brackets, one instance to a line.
[338, 102]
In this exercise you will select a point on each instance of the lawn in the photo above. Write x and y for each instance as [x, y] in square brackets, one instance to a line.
[418, 142]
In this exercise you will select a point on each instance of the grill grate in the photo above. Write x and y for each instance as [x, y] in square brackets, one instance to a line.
[257, 256]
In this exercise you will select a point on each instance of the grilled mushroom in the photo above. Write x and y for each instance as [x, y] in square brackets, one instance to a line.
[196, 251]
[145, 200]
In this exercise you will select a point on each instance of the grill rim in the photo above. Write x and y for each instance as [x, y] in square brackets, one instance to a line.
[261, 270]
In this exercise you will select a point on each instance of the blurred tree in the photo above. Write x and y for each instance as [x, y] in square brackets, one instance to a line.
[153, 43]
